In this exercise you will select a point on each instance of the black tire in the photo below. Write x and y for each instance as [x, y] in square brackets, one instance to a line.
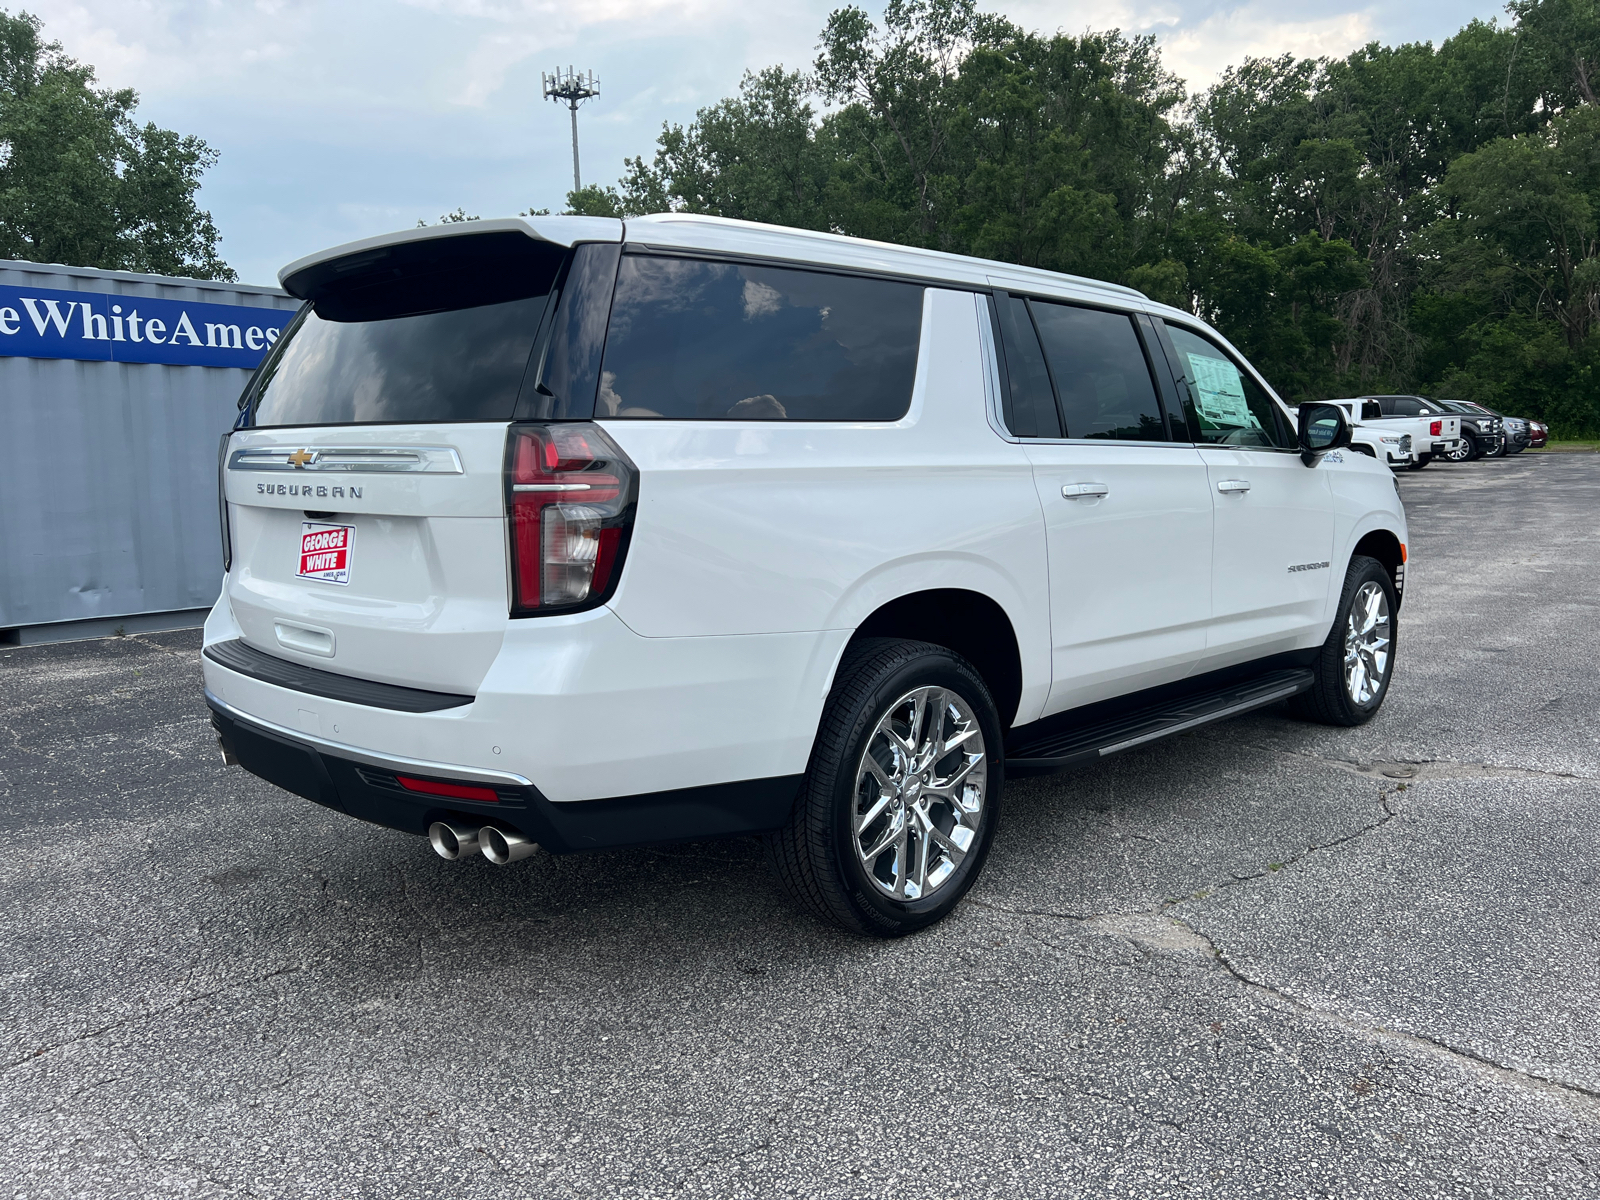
[1328, 701]
[1472, 447]
[1419, 462]
[815, 856]
[1498, 450]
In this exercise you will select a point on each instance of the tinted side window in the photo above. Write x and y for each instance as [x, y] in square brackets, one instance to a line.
[1032, 410]
[1371, 410]
[1226, 406]
[722, 341]
[1100, 373]
[1403, 406]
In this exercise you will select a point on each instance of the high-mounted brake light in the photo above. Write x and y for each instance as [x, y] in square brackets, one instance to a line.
[570, 493]
[1436, 429]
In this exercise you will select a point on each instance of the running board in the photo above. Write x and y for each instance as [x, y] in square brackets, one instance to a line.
[1096, 739]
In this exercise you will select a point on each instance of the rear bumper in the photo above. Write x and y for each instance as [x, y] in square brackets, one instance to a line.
[366, 786]
[582, 706]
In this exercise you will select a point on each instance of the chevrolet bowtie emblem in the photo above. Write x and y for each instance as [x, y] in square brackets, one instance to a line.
[301, 457]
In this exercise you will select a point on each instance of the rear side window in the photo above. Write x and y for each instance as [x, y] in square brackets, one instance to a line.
[1031, 404]
[728, 342]
[1402, 406]
[1225, 406]
[1100, 373]
[1371, 410]
[432, 331]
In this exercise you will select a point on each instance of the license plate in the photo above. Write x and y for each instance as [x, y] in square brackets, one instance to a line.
[325, 551]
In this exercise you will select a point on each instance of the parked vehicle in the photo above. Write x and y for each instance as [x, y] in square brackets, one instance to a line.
[1408, 442]
[1538, 435]
[1481, 432]
[567, 533]
[1518, 434]
[1450, 434]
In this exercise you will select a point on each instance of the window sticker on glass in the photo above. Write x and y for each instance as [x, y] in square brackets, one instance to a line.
[1219, 394]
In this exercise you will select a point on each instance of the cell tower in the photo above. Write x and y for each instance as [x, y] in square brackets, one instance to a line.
[573, 88]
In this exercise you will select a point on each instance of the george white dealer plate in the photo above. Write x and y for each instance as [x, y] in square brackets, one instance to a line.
[325, 551]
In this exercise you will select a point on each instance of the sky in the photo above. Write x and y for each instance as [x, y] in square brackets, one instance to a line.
[336, 121]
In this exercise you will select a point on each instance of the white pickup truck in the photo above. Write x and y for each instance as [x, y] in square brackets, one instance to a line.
[1409, 442]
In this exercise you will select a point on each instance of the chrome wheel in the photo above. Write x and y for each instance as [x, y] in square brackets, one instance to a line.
[919, 793]
[1366, 644]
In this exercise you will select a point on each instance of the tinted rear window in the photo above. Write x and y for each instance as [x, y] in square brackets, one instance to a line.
[1100, 373]
[1031, 410]
[432, 331]
[723, 341]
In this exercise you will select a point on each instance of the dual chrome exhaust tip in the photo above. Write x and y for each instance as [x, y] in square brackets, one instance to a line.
[455, 840]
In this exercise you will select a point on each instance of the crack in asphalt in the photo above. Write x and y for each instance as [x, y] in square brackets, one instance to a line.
[1390, 814]
[1158, 929]
[42, 1051]
[1581, 1100]
[1417, 770]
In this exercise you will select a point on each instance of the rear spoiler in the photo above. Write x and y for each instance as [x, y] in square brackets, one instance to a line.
[304, 277]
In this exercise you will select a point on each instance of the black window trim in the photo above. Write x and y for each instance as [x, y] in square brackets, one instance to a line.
[1137, 319]
[997, 345]
[1244, 368]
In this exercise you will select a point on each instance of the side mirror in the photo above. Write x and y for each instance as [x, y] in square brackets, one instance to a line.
[1323, 427]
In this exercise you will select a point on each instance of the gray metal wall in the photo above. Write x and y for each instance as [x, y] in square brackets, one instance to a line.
[108, 471]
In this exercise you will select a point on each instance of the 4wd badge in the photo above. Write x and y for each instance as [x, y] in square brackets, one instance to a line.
[325, 551]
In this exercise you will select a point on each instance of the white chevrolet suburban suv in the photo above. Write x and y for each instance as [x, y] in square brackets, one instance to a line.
[568, 533]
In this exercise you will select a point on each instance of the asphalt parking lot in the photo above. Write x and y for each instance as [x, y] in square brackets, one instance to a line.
[1265, 958]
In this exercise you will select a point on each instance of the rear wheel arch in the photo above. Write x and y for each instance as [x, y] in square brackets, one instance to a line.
[969, 623]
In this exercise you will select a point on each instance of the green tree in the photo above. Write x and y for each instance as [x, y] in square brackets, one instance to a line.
[81, 182]
[754, 157]
[1406, 217]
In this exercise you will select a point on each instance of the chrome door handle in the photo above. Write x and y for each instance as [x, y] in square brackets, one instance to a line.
[1233, 485]
[1075, 491]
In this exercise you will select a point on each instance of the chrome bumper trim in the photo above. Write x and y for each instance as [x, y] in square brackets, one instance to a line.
[370, 759]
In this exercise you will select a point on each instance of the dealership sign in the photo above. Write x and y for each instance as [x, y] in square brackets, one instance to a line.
[104, 327]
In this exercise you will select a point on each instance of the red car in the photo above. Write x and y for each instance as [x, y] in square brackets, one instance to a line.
[1539, 434]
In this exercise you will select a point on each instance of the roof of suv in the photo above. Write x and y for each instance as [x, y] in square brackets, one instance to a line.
[720, 235]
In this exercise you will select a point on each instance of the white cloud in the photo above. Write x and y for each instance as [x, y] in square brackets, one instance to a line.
[1201, 52]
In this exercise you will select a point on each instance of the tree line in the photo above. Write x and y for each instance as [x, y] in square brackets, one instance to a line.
[1407, 218]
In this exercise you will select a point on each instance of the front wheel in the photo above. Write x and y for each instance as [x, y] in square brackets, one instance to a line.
[1419, 462]
[902, 795]
[1355, 664]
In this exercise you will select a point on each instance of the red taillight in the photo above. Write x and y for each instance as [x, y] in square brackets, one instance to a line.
[1436, 428]
[456, 791]
[569, 495]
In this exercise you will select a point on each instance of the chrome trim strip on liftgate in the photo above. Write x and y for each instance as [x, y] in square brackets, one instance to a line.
[368, 758]
[383, 460]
